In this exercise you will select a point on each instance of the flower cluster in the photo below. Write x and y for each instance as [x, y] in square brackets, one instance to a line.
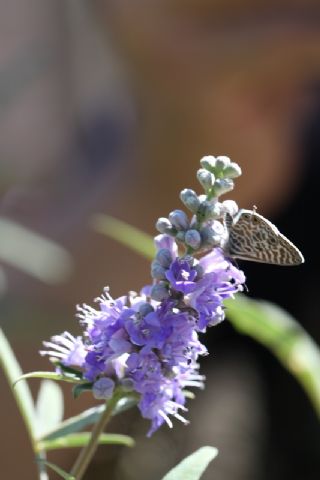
[148, 343]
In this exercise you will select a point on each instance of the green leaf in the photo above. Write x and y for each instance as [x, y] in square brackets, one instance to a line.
[22, 392]
[49, 407]
[78, 389]
[192, 467]
[284, 337]
[88, 417]
[3, 282]
[76, 440]
[32, 253]
[50, 376]
[59, 470]
[124, 233]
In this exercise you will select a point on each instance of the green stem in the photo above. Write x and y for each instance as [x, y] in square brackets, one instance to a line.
[88, 451]
[41, 458]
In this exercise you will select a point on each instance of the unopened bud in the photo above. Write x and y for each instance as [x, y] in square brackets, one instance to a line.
[229, 206]
[145, 308]
[159, 292]
[222, 163]
[179, 219]
[163, 225]
[232, 171]
[103, 388]
[193, 239]
[208, 162]
[211, 237]
[205, 178]
[222, 185]
[157, 271]
[164, 257]
[190, 199]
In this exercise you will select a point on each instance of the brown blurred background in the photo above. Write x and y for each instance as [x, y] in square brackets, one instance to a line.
[107, 106]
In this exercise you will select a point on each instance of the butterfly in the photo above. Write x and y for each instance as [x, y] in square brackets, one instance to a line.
[252, 237]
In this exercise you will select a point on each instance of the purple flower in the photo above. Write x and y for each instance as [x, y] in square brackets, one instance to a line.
[182, 275]
[66, 348]
[221, 280]
[153, 346]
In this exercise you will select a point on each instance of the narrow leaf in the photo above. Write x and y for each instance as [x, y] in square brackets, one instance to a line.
[124, 233]
[22, 392]
[76, 440]
[49, 407]
[59, 471]
[88, 417]
[50, 376]
[284, 336]
[192, 467]
[78, 389]
[32, 253]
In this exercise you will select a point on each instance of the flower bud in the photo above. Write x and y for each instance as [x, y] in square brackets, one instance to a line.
[200, 271]
[211, 237]
[232, 171]
[205, 178]
[229, 206]
[179, 219]
[127, 384]
[164, 257]
[103, 388]
[145, 308]
[208, 162]
[159, 292]
[190, 199]
[157, 271]
[222, 185]
[222, 163]
[210, 210]
[193, 239]
[163, 225]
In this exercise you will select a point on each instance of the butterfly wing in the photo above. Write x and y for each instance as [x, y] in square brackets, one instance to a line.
[252, 237]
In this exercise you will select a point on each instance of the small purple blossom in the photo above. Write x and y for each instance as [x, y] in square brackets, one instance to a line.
[66, 348]
[182, 275]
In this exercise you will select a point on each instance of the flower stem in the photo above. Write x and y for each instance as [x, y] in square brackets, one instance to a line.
[88, 451]
[41, 457]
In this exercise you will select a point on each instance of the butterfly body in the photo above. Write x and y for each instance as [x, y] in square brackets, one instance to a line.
[252, 237]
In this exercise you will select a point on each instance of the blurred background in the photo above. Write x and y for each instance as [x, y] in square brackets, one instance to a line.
[107, 106]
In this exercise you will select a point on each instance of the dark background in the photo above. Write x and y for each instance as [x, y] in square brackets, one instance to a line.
[107, 106]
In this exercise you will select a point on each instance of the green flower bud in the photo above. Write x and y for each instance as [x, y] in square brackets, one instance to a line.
[232, 171]
[222, 163]
[221, 186]
[208, 162]
[209, 210]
